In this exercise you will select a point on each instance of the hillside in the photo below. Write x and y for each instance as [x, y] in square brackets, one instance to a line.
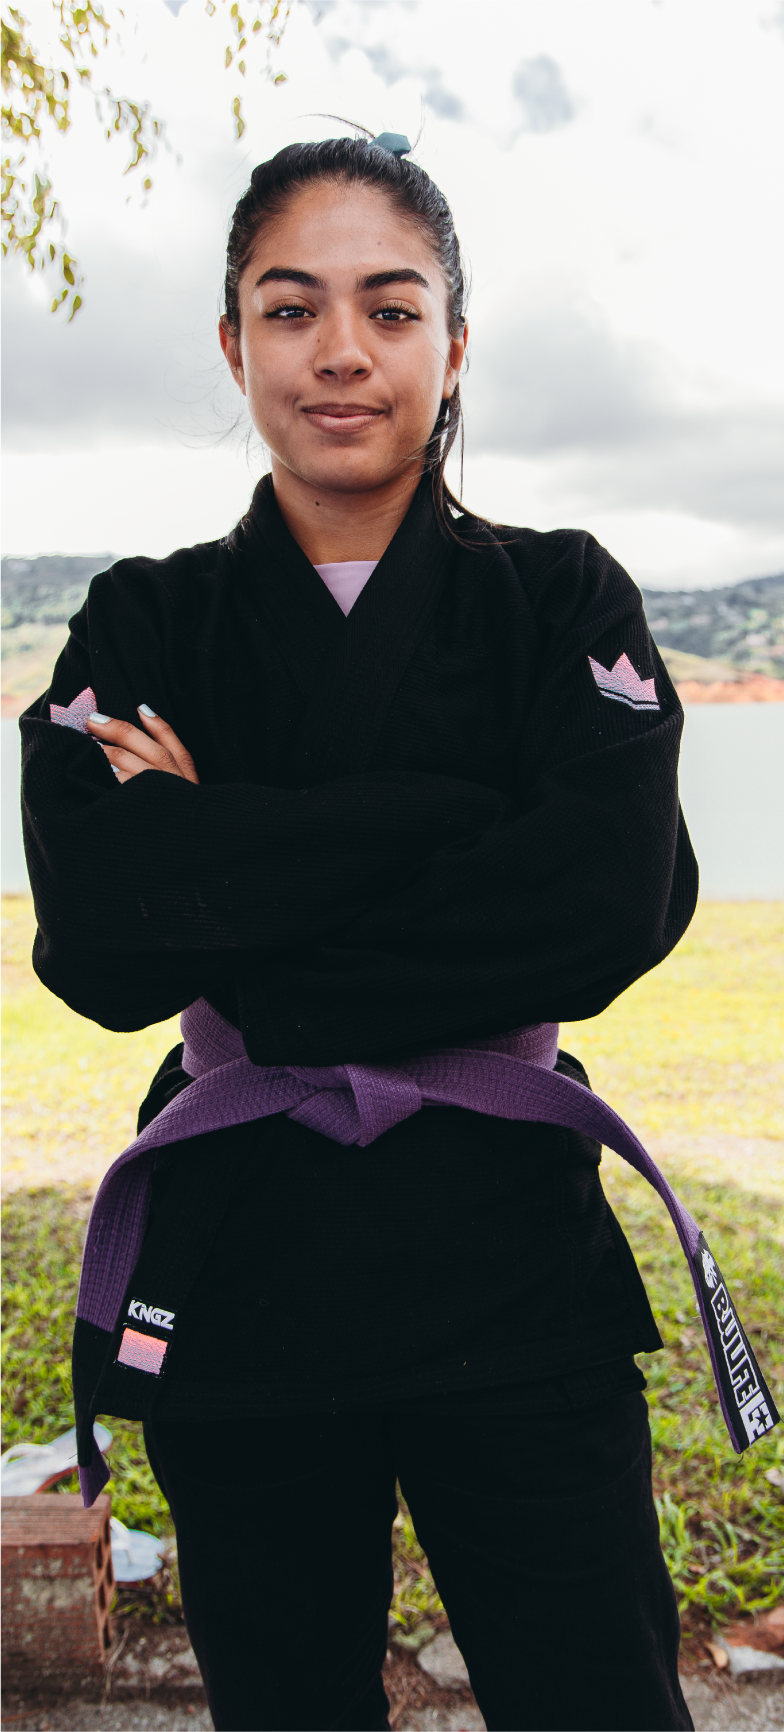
[38, 598]
[742, 625]
[47, 591]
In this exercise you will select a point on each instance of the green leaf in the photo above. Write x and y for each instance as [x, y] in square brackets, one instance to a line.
[39, 98]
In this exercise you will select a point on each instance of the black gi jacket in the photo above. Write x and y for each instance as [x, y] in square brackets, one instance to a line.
[414, 825]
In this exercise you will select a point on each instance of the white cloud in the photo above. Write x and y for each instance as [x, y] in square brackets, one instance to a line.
[630, 426]
[613, 170]
[137, 502]
[385, 62]
[540, 91]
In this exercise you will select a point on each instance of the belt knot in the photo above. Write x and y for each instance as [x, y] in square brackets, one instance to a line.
[355, 1103]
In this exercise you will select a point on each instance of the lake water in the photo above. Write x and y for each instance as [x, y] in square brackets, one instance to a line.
[732, 789]
[14, 871]
[732, 792]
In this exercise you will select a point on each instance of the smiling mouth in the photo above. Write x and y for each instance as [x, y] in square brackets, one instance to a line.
[342, 417]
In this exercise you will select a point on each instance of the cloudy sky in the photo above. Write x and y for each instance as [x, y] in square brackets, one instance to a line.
[615, 171]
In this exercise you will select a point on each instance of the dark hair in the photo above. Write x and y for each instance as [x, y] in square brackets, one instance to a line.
[358, 161]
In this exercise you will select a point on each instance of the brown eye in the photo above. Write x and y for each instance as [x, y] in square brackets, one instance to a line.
[395, 315]
[287, 314]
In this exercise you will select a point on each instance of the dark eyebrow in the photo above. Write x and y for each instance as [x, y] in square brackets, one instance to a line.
[376, 280]
[288, 274]
[382, 279]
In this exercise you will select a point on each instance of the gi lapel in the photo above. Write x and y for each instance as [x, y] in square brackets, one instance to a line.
[348, 669]
[303, 620]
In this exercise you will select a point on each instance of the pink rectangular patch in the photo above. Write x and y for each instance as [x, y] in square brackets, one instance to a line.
[143, 1352]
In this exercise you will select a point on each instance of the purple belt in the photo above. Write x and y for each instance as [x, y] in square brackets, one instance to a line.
[509, 1077]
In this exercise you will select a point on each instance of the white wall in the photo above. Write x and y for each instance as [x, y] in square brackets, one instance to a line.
[732, 788]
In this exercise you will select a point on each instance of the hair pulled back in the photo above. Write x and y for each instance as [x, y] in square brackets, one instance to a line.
[360, 162]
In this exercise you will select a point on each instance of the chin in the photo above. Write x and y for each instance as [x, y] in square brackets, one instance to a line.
[348, 473]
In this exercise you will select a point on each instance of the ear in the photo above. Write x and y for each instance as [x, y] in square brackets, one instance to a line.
[457, 349]
[229, 342]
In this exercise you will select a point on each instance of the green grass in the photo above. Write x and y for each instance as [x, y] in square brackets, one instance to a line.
[42, 1234]
[697, 1045]
[71, 1090]
[690, 1050]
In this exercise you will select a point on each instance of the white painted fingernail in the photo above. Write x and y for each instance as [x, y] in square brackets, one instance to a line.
[97, 717]
[144, 710]
[114, 769]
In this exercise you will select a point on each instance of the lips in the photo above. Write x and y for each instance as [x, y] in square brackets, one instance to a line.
[342, 417]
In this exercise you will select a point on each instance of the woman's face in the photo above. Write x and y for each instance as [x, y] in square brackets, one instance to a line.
[343, 350]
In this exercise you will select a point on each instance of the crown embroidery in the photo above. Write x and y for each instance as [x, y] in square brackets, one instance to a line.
[624, 685]
[76, 713]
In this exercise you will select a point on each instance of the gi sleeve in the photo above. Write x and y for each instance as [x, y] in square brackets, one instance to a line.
[153, 892]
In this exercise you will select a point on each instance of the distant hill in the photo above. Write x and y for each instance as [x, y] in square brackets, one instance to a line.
[742, 625]
[683, 666]
[47, 591]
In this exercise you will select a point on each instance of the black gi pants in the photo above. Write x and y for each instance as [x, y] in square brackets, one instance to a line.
[540, 1531]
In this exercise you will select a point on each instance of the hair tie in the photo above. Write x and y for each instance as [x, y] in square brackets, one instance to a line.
[395, 143]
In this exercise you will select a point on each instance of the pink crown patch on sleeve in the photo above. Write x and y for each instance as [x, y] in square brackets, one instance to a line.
[75, 715]
[624, 685]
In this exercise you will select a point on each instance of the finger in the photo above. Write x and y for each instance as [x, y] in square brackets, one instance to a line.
[122, 775]
[115, 734]
[166, 737]
[126, 764]
[109, 730]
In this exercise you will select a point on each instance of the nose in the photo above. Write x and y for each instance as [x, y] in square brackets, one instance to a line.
[341, 351]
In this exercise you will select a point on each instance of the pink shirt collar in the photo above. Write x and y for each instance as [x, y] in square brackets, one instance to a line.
[346, 580]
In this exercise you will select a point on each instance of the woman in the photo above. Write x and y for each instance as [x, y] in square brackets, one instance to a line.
[415, 788]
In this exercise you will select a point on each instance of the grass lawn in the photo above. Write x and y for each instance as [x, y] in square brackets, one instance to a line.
[71, 1090]
[697, 1045]
[687, 1055]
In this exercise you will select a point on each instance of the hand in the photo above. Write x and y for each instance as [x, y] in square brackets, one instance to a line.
[130, 751]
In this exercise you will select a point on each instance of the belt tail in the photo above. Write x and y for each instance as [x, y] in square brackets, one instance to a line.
[92, 1479]
[91, 1347]
[746, 1402]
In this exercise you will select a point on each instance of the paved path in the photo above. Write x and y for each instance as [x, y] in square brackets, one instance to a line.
[752, 1705]
[747, 1705]
[76, 1716]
